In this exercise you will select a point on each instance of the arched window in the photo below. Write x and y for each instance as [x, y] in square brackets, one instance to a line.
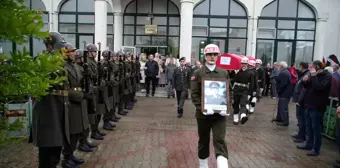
[152, 26]
[34, 46]
[76, 22]
[223, 22]
[286, 32]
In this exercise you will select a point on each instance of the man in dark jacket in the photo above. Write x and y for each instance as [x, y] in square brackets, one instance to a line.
[299, 92]
[318, 86]
[284, 90]
[151, 71]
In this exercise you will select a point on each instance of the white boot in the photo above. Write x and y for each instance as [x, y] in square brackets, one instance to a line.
[204, 163]
[236, 118]
[251, 110]
[222, 162]
[247, 107]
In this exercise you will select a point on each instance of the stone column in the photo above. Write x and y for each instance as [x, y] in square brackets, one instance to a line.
[320, 39]
[118, 31]
[100, 10]
[187, 9]
[252, 36]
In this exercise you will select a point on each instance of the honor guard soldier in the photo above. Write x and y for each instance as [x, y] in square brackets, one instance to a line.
[133, 79]
[252, 99]
[215, 98]
[242, 85]
[78, 119]
[84, 145]
[138, 75]
[181, 82]
[261, 74]
[122, 85]
[127, 88]
[114, 84]
[108, 90]
[209, 120]
[96, 81]
[50, 129]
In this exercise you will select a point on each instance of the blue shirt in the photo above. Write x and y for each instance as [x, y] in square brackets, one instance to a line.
[336, 74]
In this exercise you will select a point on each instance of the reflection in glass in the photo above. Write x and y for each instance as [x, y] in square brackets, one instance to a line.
[173, 46]
[85, 28]
[86, 19]
[131, 8]
[305, 35]
[196, 46]
[71, 38]
[129, 20]
[237, 46]
[159, 20]
[200, 21]
[143, 20]
[144, 6]
[158, 41]
[129, 30]
[143, 40]
[218, 32]
[109, 29]
[88, 39]
[219, 22]
[159, 6]
[173, 9]
[266, 33]
[220, 43]
[284, 52]
[285, 34]
[109, 19]
[270, 10]
[305, 11]
[85, 8]
[67, 18]
[109, 40]
[140, 29]
[174, 31]
[69, 6]
[286, 24]
[264, 51]
[202, 8]
[199, 31]
[68, 28]
[310, 25]
[287, 8]
[233, 32]
[236, 9]
[129, 41]
[238, 23]
[304, 52]
[267, 23]
[174, 21]
[219, 7]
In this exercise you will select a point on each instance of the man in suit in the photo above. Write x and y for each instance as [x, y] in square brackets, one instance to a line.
[151, 71]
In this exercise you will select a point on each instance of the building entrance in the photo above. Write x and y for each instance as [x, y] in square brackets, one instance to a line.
[152, 49]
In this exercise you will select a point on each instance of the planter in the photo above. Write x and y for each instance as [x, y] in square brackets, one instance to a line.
[21, 111]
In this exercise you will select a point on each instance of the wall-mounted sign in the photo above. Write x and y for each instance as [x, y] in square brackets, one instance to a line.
[151, 29]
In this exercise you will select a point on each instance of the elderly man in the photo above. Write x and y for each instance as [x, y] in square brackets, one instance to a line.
[318, 86]
[275, 72]
[284, 88]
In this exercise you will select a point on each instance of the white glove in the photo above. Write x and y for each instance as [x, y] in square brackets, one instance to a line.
[254, 93]
[224, 113]
[209, 112]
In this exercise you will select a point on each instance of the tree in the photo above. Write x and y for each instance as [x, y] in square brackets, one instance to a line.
[20, 75]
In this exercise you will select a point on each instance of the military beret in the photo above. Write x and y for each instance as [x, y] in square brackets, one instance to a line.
[214, 85]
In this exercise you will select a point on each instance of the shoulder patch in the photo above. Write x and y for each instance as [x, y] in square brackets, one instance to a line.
[193, 77]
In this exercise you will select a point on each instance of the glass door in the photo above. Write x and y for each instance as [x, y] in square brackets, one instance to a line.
[265, 51]
[81, 38]
[220, 42]
[284, 51]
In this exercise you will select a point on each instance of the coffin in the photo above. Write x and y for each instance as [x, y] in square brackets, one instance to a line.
[229, 61]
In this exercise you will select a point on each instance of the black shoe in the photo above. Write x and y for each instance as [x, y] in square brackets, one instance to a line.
[235, 123]
[295, 136]
[168, 97]
[282, 124]
[69, 164]
[77, 160]
[179, 115]
[101, 133]
[122, 113]
[113, 119]
[153, 94]
[244, 119]
[91, 145]
[303, 147]
[117, 117]
[108, 127]
[298, 140]
[97, 136]
[113, 125]
[147, 95]
[84, 148]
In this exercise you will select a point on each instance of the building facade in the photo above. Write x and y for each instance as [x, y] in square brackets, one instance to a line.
[272, 30]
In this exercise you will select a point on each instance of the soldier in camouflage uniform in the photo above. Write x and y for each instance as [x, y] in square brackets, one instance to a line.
[84, 144]
[208, 119]
[128, 81]
[138, 75]
[50, 127]
[108, 93]
[116, 91]
[78, 119]
[96, 79]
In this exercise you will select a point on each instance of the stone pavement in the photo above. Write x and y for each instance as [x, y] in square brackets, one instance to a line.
[152, 137]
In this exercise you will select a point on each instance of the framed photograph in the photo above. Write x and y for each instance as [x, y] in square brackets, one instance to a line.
[215, 95]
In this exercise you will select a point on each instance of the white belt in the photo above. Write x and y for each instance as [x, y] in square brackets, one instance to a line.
[241, 84]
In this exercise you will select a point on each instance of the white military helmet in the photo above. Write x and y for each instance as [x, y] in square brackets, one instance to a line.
[244, 60]
[252, 63]
[211, 48]
[258, 61]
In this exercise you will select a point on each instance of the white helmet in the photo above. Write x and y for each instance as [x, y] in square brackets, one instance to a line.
[244, 60]
[211, 48]
[258, 61]
[252, 63]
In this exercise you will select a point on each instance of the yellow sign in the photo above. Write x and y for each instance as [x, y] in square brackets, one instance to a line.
[151, 29]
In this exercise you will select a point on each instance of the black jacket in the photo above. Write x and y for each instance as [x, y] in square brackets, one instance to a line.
[152, 68]
[299, 90]
[284, 84]
[317, 91]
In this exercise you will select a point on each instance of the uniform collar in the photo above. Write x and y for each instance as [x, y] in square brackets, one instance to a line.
[207, 70]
